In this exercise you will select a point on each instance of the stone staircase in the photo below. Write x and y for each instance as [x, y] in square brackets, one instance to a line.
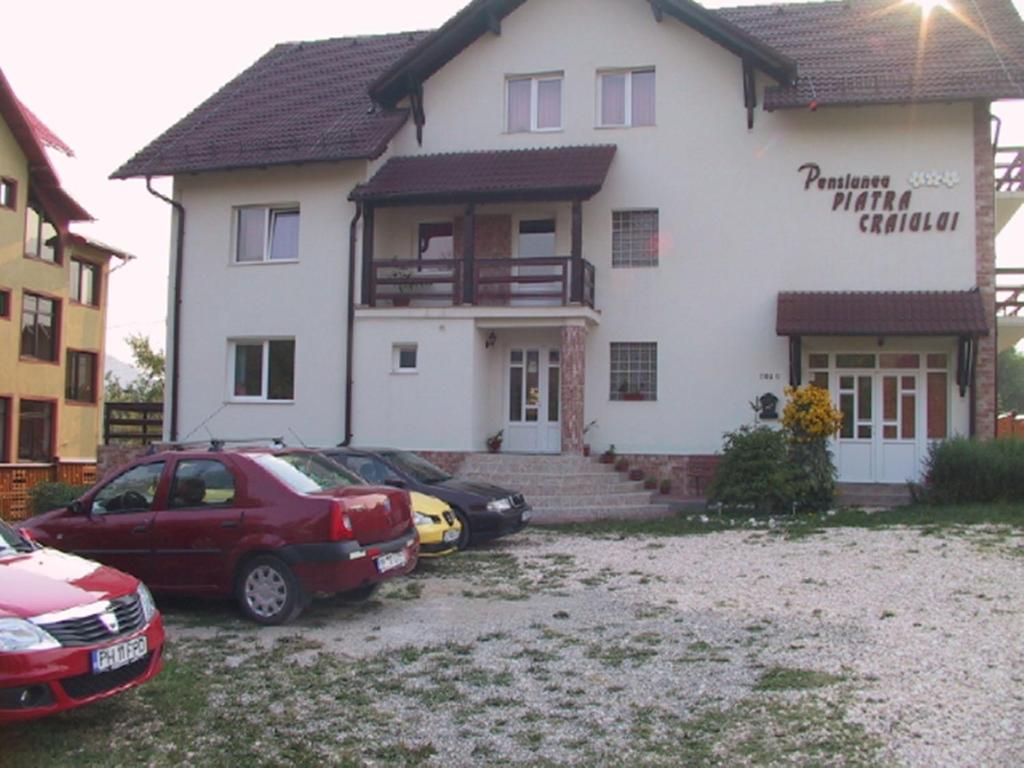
[566, 489]
[872, 495]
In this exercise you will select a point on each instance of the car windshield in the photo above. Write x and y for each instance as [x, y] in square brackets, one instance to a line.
[11, 540]
[306, 472]
[417, 467]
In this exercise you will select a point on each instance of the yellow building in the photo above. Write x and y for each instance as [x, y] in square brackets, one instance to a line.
[52, 308]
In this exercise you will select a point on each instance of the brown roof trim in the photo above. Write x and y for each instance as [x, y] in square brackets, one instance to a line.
[881, 313]
[44, 185]
[97, 245]
[480, 16]
[547, 174]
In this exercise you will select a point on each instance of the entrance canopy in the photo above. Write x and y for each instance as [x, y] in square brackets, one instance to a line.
[881, 313]
[559, 173]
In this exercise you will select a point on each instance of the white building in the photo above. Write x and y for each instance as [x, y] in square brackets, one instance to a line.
[635, 216]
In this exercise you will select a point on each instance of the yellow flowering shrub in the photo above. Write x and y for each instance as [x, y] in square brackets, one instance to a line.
[809, 414]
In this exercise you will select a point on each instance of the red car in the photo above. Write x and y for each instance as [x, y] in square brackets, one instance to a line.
[270, 529]
[71, 631]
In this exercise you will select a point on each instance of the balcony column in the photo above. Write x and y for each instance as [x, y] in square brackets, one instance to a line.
[576, 289]
[468, 247]
[369, 287]
[573, 379]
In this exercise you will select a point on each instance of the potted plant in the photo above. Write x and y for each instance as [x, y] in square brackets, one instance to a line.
[651, 483]
[494, 441]
[636, 474]
[622, 465]
[586, 446]
[608, 457]
[665, 486]
[405, 289]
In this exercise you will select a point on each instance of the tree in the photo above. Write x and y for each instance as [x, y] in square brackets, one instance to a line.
[148, 387]
[1010, 375]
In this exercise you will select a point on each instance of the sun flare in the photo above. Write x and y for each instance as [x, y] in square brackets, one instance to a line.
[927, 6]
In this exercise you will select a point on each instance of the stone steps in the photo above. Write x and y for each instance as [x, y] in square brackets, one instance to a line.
[567, 489]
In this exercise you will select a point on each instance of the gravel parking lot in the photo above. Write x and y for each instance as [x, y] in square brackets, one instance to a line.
[851, 647]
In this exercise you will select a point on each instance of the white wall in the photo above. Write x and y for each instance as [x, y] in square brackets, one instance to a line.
[737, 225]
[304, 300]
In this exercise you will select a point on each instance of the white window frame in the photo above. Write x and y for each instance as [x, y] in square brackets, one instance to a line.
[269, 214]
[628, 96]
[263, 397]
[633, 264]
[396, 357]
[535, 80]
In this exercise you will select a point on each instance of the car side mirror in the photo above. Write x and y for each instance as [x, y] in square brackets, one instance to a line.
[76, 507]
[397, 482]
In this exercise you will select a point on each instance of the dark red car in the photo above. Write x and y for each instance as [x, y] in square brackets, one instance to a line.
[271, 529]
[71, 631]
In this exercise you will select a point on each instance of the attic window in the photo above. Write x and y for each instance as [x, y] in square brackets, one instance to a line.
[267, 233]
[41, 240]
[625, 98]
[533, 103]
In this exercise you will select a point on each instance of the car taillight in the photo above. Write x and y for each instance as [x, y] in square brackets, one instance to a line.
[341, 523]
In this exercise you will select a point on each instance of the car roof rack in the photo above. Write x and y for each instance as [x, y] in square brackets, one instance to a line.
[216, 444]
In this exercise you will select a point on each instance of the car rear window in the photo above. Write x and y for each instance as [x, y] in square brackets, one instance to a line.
[417, 467]
[305, 472]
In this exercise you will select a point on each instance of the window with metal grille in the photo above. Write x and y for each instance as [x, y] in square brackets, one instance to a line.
[635, 238]
[634, 370]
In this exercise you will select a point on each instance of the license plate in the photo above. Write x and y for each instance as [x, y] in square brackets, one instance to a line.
[390, 561]
[120, 655]
[450, 536]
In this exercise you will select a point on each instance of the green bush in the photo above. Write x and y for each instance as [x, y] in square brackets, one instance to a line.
[961, 470]
[47, 496]
[814, 474]
[755, 471]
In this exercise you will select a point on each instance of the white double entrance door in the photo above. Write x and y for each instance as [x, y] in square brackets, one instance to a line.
[882, 438]
[532, 400]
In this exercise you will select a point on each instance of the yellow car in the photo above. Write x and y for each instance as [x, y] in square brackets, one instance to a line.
[438, 527]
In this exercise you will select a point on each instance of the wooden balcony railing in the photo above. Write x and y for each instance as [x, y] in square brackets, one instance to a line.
[540, 281]
[1009, 164]
[1009, 292]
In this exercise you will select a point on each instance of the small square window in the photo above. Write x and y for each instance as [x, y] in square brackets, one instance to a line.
[625, 98]
[533, 103]
[8, 193]
[634, 371]
[404, 358]
[635, 238]
[264, 369]
[267, 233]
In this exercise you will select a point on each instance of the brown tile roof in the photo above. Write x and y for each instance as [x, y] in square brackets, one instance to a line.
[867, 51]
[301, 102]
[888, 313]
[557, 173]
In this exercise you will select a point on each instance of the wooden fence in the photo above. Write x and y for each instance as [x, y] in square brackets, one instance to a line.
[16, 480]
[141, 423]
[1010, 425]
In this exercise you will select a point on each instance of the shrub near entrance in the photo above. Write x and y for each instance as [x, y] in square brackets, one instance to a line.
[961, 471]
[810, 420]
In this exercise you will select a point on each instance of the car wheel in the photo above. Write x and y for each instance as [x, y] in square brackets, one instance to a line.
[268, 591]
[360, 595]
[465, 533]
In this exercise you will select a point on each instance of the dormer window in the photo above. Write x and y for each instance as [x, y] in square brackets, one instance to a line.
[533, 103]
[625, 97]
[41, 239]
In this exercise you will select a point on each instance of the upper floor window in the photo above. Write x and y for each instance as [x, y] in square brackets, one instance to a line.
[635, 238]
[264, 369]
[625, 98]
[534, 103]
[39, 323]
[267, 233]
[8, 193]
[41, 239]
[80, 384]
[85, 283]
[5, 304]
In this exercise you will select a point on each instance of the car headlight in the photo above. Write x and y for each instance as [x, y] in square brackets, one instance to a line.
[420, 519]
[146, 601]
[499, 505]
[21, 635]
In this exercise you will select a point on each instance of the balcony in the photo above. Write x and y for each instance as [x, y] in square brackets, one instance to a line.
[508, 282]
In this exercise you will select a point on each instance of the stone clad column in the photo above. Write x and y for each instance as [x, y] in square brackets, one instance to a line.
[573, 373]
[984, 416]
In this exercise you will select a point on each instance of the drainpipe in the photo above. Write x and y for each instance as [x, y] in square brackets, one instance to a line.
[351, 316]
[179, 252]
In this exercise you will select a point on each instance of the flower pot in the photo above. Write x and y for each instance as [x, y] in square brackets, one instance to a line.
[586, 449]
[632, 396]
[401, 301]
[494, 446]
[622, 465]
[607, 458]
[636, 474]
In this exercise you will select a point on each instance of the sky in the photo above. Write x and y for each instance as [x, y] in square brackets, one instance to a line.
[109, 76]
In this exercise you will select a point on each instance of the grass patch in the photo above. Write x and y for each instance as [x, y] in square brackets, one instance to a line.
[792, 679]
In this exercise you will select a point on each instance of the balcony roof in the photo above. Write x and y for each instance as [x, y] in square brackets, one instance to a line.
[881, 313]
[558, 173]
